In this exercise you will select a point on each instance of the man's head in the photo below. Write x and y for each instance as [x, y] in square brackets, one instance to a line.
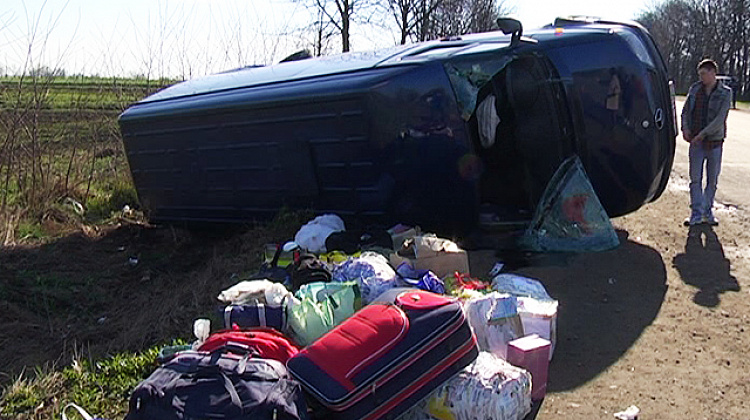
[707, 70]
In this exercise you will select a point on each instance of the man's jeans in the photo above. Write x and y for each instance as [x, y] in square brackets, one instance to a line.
[702, 200]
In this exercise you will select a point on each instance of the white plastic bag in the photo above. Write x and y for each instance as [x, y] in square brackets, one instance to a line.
[312, 236]
[429, 243]
[520, 286]
[260, 291]
[489, 388]
[495, 322]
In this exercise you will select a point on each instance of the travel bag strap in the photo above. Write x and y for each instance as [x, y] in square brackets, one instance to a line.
[81, 411]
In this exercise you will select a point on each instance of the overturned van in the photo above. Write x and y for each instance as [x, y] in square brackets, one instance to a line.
[442, 134]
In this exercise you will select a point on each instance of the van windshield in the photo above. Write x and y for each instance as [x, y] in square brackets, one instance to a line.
[469, 74]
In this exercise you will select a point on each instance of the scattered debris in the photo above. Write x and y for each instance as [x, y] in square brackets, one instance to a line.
[630, 413]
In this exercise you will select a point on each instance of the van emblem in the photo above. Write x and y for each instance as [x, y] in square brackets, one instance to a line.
[659, 118]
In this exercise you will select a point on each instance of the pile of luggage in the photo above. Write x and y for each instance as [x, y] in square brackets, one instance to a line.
[338, 325]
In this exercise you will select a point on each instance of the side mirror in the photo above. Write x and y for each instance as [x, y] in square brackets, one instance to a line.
[511, 26]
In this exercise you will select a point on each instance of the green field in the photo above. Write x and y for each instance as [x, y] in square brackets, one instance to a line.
[78, 321]
[61, 156]
[70, 93]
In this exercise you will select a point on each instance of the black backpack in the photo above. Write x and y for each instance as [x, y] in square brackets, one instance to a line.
[351, 241]
[272, 272]
[307, 268]
[218, 386]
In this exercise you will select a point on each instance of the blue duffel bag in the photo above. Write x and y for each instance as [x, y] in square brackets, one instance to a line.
[251, 315]
[218, 386]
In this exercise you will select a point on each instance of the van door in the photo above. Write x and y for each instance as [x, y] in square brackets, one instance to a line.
[521, 132]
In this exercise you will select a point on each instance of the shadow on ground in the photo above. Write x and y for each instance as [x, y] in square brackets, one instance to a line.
[704, 266]
[607, 299]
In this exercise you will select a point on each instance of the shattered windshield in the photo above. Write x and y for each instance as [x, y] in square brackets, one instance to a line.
[469, 74]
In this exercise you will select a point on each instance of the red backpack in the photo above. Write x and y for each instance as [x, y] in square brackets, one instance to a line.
[265, 343]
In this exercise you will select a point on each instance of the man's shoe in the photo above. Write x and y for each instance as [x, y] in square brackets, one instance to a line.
[692, 222]
[712, 220]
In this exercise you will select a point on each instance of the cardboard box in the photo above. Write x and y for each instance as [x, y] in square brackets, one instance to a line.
[539, 317]
[428, 252]
[532, 353]
[399, 236]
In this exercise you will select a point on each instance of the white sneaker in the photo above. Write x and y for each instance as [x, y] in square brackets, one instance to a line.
[711, 220]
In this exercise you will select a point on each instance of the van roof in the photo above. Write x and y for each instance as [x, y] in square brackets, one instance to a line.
[355, 61]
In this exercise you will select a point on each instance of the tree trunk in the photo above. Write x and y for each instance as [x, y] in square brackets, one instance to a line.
[345, 16]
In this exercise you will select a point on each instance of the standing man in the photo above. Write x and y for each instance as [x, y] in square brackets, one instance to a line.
[704, 125]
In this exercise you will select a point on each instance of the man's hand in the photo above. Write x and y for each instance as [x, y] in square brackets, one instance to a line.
[686, 135]
[697, 139]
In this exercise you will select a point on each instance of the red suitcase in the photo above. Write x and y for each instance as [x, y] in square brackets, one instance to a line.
[387, 356]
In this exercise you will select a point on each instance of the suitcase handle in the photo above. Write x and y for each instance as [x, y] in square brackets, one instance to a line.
[237, 348]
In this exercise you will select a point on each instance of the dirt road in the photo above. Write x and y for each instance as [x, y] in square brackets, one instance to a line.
[662, 321]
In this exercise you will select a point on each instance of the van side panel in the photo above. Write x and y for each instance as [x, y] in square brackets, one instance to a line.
[425, 150]
[362, 143]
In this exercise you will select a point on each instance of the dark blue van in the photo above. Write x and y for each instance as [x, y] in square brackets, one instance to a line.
[435, 134]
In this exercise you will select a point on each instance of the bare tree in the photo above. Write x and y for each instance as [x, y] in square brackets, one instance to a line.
[317, 36]
[28, 178]
[412, 17]
[342, 14]
[671, 26]
[687, 31]
[458, 17]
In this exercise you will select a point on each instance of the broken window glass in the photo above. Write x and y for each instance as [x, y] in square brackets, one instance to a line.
[569, 216]
[469, 74]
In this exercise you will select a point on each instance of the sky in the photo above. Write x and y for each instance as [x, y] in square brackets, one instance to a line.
[190, 38]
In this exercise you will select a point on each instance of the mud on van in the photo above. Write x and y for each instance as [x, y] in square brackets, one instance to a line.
[435, 134]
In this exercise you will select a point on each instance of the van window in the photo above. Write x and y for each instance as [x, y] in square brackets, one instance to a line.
[637, 46]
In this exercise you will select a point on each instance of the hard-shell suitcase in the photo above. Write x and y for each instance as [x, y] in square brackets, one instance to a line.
[387, 356]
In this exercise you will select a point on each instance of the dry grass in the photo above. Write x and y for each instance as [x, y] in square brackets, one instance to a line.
[80, 297]
[61, 153]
